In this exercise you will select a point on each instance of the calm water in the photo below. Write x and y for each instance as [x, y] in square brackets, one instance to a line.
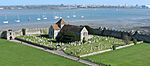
[76, 15]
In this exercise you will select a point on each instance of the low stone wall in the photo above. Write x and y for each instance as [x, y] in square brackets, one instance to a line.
[36, 31]
[6, 34]
[142, 37]
[35, 44]
[107, 50]
[119, 34]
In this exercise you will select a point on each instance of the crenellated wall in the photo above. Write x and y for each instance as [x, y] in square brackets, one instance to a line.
[7, 34]
[97, 31]
[119, 34]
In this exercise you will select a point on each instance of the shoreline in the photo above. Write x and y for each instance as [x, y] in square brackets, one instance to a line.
[125, 26]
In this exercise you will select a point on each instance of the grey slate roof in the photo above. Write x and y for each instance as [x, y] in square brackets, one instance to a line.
[71, 28]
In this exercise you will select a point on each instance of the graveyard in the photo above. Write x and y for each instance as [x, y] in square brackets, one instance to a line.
[40, 40]
[137, 55]
[96, 43]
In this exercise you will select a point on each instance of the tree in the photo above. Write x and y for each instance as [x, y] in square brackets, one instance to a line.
[126, 39]
[23, 31]
[134, 41]
[114, 47]
[84, 40]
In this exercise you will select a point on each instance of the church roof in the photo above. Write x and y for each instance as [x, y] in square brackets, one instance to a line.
[61, 21]
[71, 28]
[55, 27]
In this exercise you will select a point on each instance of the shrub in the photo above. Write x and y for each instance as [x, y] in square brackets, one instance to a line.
[23, 31]
[114, 47]
[134, 41]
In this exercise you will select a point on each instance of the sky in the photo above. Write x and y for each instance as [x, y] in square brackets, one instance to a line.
[56, 2]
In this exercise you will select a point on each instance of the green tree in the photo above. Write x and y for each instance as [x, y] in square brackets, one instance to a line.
[126, 39]
[134, 41]
[114, 47]
[23, 31]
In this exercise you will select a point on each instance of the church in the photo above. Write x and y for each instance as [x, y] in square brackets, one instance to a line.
[67, 33]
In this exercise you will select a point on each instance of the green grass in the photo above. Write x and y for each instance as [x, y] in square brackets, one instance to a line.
[14, 54]
[137, 55]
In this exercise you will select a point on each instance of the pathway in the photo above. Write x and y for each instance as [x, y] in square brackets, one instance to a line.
[60, 53]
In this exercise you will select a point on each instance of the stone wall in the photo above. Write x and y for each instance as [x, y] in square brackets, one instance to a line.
[6, 34]
[120, 34]
[36, 31]
[142, 37]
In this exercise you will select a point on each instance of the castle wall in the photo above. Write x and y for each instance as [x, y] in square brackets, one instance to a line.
[7, 34]
[142, 37]
[119, 34]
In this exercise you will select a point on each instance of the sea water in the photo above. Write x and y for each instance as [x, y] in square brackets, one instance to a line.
[97, 15]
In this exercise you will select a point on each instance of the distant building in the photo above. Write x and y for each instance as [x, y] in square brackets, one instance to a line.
[67, 33]
[148, 6]
[1, 8]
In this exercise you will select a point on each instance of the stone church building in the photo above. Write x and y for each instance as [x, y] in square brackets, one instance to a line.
[65, 32]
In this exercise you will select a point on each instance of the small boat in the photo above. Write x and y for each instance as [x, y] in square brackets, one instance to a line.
[60, 17]
[56, 17]
[17, 20]
[74, 16]
[68, 16]
[82, 16]
[5, 21]
[38, 19]
[45, 18]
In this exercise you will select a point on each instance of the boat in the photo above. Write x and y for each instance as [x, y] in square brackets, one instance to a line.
[18, 19]
[56, 17]
[45, 18]
[38, 19]
[60, 17]
[5, 21]
[74, 16]
[68, 16]
[82, 16]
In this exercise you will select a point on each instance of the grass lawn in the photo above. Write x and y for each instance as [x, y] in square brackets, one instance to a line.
[137, 55]
[13, 54]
